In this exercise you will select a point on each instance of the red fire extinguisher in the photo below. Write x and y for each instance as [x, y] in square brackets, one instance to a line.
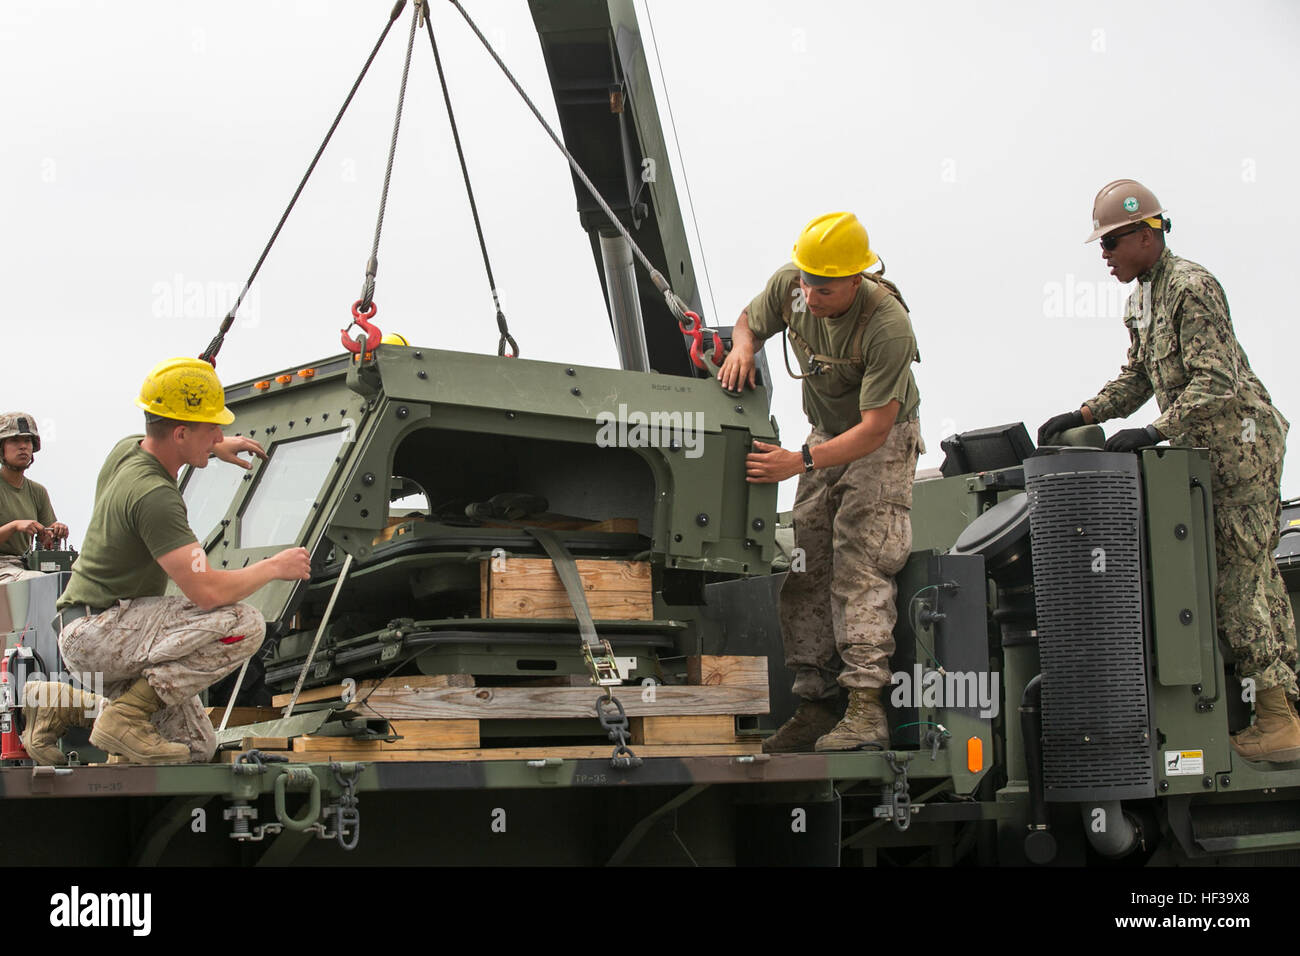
[11, 724]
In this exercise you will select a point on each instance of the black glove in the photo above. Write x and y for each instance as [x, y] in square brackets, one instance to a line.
[1059, 423]
[1130, 439]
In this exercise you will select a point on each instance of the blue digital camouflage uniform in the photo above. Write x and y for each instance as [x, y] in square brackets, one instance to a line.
[1182, 349]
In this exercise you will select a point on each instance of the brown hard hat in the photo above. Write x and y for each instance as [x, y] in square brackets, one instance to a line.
[1122, 203]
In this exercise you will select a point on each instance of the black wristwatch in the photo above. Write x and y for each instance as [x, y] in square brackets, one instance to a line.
[807, 460]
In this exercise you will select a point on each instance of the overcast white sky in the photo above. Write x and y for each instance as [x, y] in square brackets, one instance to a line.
[148, 146]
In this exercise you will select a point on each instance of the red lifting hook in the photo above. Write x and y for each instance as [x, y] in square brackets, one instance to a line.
[372, 332]
[696, 333]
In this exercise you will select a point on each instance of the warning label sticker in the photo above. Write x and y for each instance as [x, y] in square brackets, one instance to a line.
[1184, 763]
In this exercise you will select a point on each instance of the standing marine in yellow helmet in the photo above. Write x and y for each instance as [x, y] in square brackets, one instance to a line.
[852, 513]
[1183, 350]
[158, 653]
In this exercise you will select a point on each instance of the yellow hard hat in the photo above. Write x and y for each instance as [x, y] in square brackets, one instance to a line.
[833, 246]
[186, 390]
[393, 338]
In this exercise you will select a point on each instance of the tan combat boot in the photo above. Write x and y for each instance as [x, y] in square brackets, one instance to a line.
[864, 726]
[124, 728]
[1275, 735]
[800, 732]
[50, 709]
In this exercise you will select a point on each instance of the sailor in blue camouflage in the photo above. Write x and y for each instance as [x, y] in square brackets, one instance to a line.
[1183, 350]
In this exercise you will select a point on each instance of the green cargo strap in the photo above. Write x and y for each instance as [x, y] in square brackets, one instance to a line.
[596, 652]
[818, 364]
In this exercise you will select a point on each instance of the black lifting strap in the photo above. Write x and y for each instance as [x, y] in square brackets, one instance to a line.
[506, 337]
[372, 264]
[209, 354]
[673, 301]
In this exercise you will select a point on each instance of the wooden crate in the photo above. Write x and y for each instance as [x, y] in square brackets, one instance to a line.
[440, 717]
[530, 588]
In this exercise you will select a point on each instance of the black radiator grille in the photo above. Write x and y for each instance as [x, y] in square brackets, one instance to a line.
[1096, 725]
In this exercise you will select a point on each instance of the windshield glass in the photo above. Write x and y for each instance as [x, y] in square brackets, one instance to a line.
[208, 493]
[291, 483]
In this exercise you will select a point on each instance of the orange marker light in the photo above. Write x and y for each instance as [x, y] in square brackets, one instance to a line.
[974, 754]
[263, 385]
[306, 372]
[284, 379]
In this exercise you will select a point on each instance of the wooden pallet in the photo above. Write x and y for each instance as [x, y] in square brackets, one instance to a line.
[440, 717]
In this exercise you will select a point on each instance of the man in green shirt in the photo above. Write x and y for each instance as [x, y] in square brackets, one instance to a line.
[25, 510]
[852, 512]
[158, 653]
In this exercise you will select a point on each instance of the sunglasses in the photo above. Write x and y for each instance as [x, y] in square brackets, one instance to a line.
[1111, 241]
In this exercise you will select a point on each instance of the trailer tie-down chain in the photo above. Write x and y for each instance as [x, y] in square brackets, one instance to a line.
[346, 812]
[596, 652]
[612, 717]
[340, 821]
[898, 800]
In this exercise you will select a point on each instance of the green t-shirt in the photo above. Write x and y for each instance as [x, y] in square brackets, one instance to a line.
[29, 501]
[138, 517]
[835, 400]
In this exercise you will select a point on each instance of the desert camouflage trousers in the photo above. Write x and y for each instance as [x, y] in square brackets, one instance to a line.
[1254, 612]
[180, 649]
[12, 568]
[852, 534]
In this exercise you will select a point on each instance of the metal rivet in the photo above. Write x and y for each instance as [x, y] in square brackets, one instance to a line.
[1207, 782]
[1185, 616]
[575, 390]
[510, 415]
[677, 537]
[368, 478]
[1225, 781]
[758, 524]
[1180, 532]
[569, 371]
[356, 498]
[740, 409]
[419, 355]
[422, 374]
[365, 513]
[1164, 784]
[702, 519]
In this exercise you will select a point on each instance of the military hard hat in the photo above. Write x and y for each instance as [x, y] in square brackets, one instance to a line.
[393, 338]
[1122, 203]
[18, 425]
[833, 246]
[185, 390]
